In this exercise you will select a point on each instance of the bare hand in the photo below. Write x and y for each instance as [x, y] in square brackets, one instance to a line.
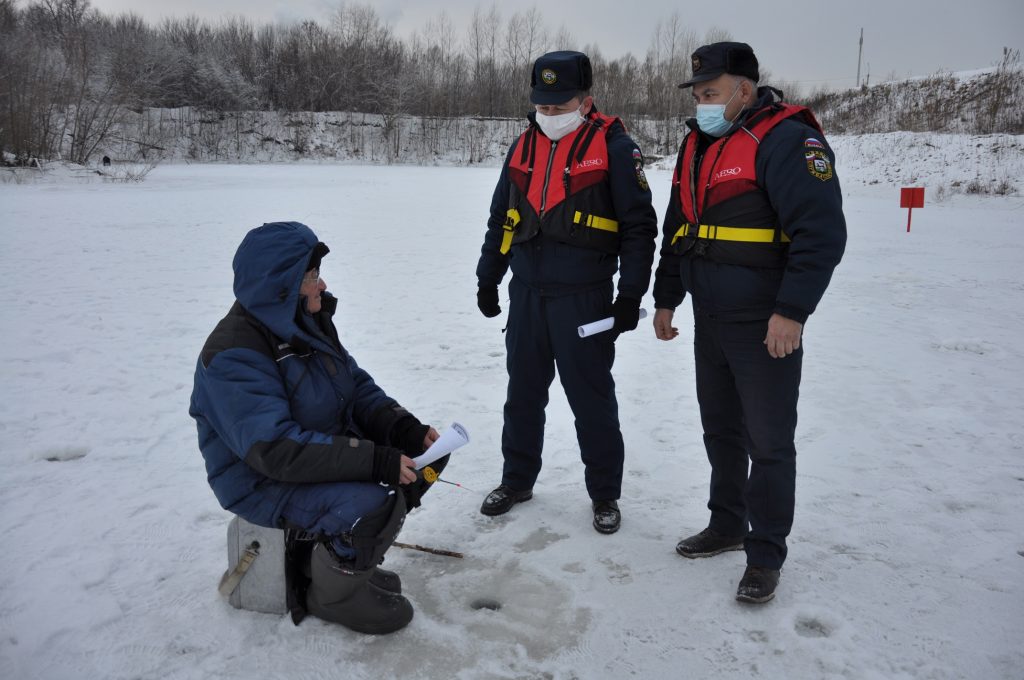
[406, 470]
[783, 336]
[432, 436]
[663, 328]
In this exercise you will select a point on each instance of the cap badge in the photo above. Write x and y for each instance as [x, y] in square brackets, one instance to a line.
[696, 63]
[548, 76]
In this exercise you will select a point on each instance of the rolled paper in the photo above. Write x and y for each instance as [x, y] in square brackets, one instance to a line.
[595, 327]
[451, 439]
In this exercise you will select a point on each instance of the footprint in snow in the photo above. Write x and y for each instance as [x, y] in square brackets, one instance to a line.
[64, 454]
[539, 539]
[812, 628]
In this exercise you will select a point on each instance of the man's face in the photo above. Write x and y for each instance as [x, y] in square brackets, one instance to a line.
[312, 286]
[566, 107]
[721, 90]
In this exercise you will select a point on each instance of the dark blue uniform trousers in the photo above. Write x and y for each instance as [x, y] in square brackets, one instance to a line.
[748, 410]
[542, 333]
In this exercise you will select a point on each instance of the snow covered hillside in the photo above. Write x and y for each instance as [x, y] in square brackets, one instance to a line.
[906, 560]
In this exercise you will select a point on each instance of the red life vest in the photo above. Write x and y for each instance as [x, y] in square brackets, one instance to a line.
[561, 188]
[721, 211]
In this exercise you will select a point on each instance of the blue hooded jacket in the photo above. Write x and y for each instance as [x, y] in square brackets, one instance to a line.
[277, 400]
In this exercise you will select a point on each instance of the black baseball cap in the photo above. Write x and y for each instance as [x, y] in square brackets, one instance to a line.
[711, 61]
[559, 76]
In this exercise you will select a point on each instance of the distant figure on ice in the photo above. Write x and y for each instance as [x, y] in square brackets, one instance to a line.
[297, 436]
[571, 207]
[753, 230]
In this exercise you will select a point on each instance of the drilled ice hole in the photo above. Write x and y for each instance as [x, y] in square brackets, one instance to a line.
[486, 603]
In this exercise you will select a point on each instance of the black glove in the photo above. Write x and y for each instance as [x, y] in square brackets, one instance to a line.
[414, 492]
[408, 434]
[626, 311]
[487, 301]
[387, 464]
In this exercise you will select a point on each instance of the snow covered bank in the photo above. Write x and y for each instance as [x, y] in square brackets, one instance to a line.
[945, 164]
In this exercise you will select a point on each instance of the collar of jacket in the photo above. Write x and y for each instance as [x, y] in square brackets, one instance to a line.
[303, 340]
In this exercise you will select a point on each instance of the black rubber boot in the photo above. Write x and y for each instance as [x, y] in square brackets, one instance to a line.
[346, 596]
[386, 580]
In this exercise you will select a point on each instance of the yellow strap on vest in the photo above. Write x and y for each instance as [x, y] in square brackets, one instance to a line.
[717, 233]
[602, 223]
[511, 222]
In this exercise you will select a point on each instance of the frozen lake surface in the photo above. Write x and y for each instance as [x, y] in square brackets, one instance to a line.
[906, 559]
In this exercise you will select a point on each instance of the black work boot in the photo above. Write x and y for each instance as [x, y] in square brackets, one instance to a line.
[386, 580]
[501, 500]
[346, 596]
[707, 543]
[757, 585]
[607, 517]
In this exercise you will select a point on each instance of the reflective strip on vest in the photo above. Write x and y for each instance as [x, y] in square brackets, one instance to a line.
[511, 221]
[717, 233]
[602, 223]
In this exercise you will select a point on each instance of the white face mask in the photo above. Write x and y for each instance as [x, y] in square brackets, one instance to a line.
[556, 127]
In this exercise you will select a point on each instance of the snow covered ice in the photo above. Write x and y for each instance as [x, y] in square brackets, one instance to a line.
[906, 558]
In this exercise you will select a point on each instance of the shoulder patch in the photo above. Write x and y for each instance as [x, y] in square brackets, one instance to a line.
[638, 165]
[813, 143]
[818, 163]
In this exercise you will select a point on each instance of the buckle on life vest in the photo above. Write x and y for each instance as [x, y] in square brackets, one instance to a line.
[681, 232]
[511, 222]
[602, 223]
[713, 232]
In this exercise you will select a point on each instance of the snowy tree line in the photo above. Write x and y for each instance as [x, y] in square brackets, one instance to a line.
[68, 70]
[75, 82]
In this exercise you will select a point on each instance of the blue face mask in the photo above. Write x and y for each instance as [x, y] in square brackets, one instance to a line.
[711, 117]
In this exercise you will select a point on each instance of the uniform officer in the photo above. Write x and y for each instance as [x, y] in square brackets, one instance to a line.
[753, 231]
[572, 206]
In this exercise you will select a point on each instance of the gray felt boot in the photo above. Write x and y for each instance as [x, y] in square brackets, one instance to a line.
[346, 596]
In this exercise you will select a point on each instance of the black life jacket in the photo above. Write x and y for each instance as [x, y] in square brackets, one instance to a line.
[561, 189]
[722, 212]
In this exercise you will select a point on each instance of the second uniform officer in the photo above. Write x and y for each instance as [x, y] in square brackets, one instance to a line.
[753, 231]
[571, 207]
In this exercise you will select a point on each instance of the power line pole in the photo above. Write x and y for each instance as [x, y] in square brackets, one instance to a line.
[860, 51]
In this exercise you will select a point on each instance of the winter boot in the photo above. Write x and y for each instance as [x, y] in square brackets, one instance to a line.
[607, 517]
[708, 543]
[501, 500]
[343, 595]
[386, 580]
[757, 585]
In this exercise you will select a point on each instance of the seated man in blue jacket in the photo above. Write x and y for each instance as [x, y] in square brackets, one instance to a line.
[297, 436]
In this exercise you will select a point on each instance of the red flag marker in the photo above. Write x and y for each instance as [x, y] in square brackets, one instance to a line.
[910, 198]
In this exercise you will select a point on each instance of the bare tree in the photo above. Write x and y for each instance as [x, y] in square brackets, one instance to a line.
[484, 29]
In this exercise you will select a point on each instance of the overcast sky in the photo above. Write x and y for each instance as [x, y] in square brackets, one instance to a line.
[813, 43]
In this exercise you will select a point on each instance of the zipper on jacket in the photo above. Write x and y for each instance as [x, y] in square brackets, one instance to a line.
[711, 172]
[547, 178]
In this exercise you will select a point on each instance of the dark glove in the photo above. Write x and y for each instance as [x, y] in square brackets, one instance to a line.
[414, 492]
[408, 434]
[487, 301]
[626, 311]
[387, 464]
